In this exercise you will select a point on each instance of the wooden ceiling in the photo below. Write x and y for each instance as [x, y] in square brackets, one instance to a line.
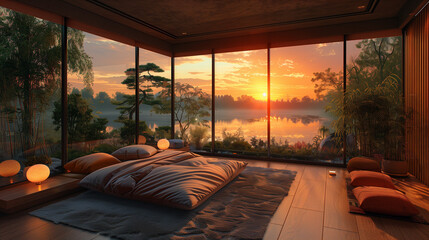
[189, 27]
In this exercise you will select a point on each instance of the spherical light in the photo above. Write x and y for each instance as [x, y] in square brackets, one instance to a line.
[9, 168]
[142, 139]
[38, 173]
[163, 144]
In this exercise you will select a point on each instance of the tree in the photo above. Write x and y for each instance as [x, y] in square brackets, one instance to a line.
[82, 125]
[30, 58]
[326, 81]
[127, 103]
[147, 81]
[191, 106]
[372, 106]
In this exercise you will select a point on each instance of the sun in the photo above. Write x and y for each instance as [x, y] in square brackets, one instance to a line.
[264, 94]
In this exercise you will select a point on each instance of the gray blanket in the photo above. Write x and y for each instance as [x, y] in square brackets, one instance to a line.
[241, 210]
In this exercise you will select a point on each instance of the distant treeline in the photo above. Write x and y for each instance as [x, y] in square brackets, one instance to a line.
[102, 101]
[248, 102]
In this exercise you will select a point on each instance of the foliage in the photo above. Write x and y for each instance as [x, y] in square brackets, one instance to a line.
[82, 124]
[199, 136]
[147, 81]
[39, 159]
[372, 107]
[30, 58]
[127, 103]
[163, 132]
[128, 130]
[191, 106]
[105, 148]
[326, 81]
[234, 140]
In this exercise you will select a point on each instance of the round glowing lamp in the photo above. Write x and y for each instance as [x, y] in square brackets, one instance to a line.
[9, 168]
[38, 173]
[142, 139]
[163, 144]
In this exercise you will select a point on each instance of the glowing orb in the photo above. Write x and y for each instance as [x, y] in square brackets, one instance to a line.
[163, 144]
[38, 173]
[9, 168]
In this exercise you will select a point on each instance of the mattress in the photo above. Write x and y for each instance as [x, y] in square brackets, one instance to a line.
[173, 178]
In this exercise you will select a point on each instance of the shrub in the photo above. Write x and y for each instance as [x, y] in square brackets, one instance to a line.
[199, 136]
[40, 159]
[105, 148]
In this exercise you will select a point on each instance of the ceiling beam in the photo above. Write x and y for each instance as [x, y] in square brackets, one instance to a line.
[89, 22]
[410, 10]
[332, 33]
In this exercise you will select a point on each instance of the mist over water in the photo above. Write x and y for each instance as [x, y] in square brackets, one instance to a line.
[292, 125]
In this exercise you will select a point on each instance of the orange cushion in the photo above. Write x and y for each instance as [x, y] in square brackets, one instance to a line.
[90, 163]
[134, 152]
[369, 178]
[363, 163]
[384, 201]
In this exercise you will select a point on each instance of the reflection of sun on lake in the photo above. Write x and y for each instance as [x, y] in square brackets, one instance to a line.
[293, 130]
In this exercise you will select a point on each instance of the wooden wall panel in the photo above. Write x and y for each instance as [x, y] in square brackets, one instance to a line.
[417, 95]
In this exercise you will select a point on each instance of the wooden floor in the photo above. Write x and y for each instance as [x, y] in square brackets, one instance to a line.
[316, 208]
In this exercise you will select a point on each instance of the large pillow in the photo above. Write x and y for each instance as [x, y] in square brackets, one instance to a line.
[384, 201]
[134, 152]
[90, 163]
[363, 163]
[176, 143]
[369, 178]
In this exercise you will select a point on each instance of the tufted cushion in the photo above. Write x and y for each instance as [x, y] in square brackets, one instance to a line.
[369, 178]
[134, 152]
[363, 163]
[384, 201]
[90, 163]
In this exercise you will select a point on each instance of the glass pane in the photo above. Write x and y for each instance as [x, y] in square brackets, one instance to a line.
[374, 102]
[155, 94]
[193, 101]
[30, 60]
[101, 100]
[306, 82]
[241, 103]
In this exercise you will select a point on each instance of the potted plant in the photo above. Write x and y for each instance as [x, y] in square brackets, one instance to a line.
[375, 116]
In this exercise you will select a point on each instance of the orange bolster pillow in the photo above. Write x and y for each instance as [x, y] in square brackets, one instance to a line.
[363, 163]
[90, 163]
[369, 178]
[384, 201]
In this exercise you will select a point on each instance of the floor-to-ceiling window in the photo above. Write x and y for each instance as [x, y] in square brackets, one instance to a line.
[374, 112]
[304, 81]
[30, 61]
[101, 103]
[241, 103]
[192, 110]
[310, 113]
[155, 96]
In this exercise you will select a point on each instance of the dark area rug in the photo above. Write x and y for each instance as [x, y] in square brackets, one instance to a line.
[241, 210]
[354, 207]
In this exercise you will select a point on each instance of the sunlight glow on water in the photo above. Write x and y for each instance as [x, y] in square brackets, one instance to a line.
[281, 129]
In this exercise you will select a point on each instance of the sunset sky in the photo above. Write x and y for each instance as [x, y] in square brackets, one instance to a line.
[237, 73]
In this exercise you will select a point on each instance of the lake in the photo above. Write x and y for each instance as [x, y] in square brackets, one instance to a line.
[292, 125]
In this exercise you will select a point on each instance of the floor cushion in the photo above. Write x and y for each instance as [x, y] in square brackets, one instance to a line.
[384, 201]
[363, 163]
[134, 152]
[176, 143]
[90, 163]
[370, 178]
